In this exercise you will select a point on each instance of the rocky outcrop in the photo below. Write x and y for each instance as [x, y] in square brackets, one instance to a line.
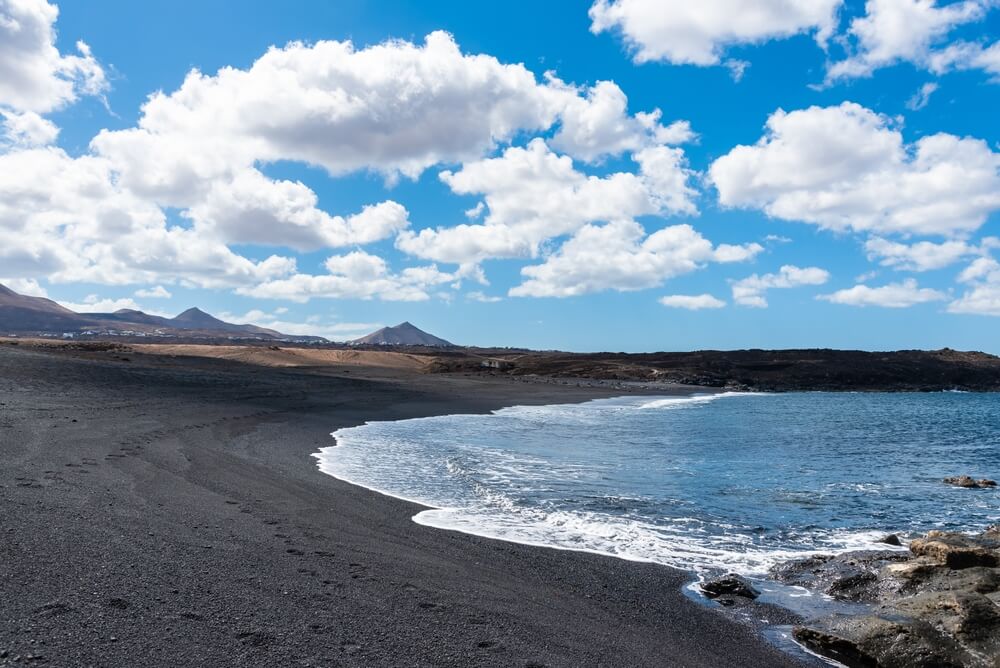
[937, 606]
[970, 482]
[853, 576]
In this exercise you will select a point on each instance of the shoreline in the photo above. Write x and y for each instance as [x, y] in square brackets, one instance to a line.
[166, 511]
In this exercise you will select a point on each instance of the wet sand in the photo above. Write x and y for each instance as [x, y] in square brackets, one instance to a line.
[166, 511]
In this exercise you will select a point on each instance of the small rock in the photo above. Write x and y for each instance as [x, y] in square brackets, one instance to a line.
[730, 585]
[969, 482]
[891, 539]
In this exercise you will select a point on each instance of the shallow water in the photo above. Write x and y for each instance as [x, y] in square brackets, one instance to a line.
[731, 482]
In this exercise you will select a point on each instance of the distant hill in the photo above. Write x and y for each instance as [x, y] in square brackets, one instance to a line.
[21, 314]
[403, 334]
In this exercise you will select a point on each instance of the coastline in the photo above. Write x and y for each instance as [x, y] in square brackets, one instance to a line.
[167, 511]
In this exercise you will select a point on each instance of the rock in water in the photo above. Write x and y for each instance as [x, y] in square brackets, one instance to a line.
[969, 482]
[730, 585]
[891, 539]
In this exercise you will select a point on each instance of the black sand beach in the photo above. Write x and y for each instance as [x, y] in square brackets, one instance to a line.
[164, 511]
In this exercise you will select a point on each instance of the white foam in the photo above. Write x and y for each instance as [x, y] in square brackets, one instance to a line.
[681, 402]
[371, 457]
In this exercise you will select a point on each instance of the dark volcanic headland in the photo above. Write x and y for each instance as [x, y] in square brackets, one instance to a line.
[762, 370]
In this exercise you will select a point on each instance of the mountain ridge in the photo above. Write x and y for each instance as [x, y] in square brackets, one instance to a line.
[23, 314]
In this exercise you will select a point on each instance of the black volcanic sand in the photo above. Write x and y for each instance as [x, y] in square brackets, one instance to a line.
[167, 512]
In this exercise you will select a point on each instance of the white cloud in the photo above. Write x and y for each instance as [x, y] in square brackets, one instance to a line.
[847, 168]
[692, 302]
[475, 211]
[356, 275]
[920, 256]
[27, 129]
[68, 219]
[922, 97]
[893, 31]
[158, 292]
[983, 295]
[619, 256]
[34, 76]
[893, 295]
[253, 209]
[598, 124]
[396, 108]
[96, 304]
[25, 286]
[534, 194]
[750, 291]
[313, 326]
[484, 298]
[968, 56]
[698, 33]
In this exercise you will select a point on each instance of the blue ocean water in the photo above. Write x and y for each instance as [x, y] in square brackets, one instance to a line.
[730, 482]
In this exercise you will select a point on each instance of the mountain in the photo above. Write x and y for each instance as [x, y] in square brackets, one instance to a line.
[403, 334]
[21, 314]
[195, 318]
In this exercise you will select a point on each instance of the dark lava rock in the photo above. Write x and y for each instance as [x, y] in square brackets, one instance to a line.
[969, 482]
[891, 539]
[938, 606]
[872, 641]
[730, 585]
[853, 576]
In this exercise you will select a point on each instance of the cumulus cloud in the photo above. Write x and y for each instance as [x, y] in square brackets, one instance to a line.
[25, 286]
[920, 256]
[34, 76]
[533, 194]
[158, 292]
[893, 31]
[848, 168]
[983, 295]
[356, 275]
[620, 256]
[396, 108]
[27, 129]
[597, 124]
[70, 220]
[750, 291]
[692, 302]
[253, 209]
[698, 33]
[893, 295]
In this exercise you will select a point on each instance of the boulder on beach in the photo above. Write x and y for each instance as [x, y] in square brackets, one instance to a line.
[969, 482]
[723, 588]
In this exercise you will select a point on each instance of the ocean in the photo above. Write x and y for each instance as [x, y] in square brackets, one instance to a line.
[733, 482]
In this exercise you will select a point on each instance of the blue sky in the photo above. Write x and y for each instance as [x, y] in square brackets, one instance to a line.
[863, 215]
